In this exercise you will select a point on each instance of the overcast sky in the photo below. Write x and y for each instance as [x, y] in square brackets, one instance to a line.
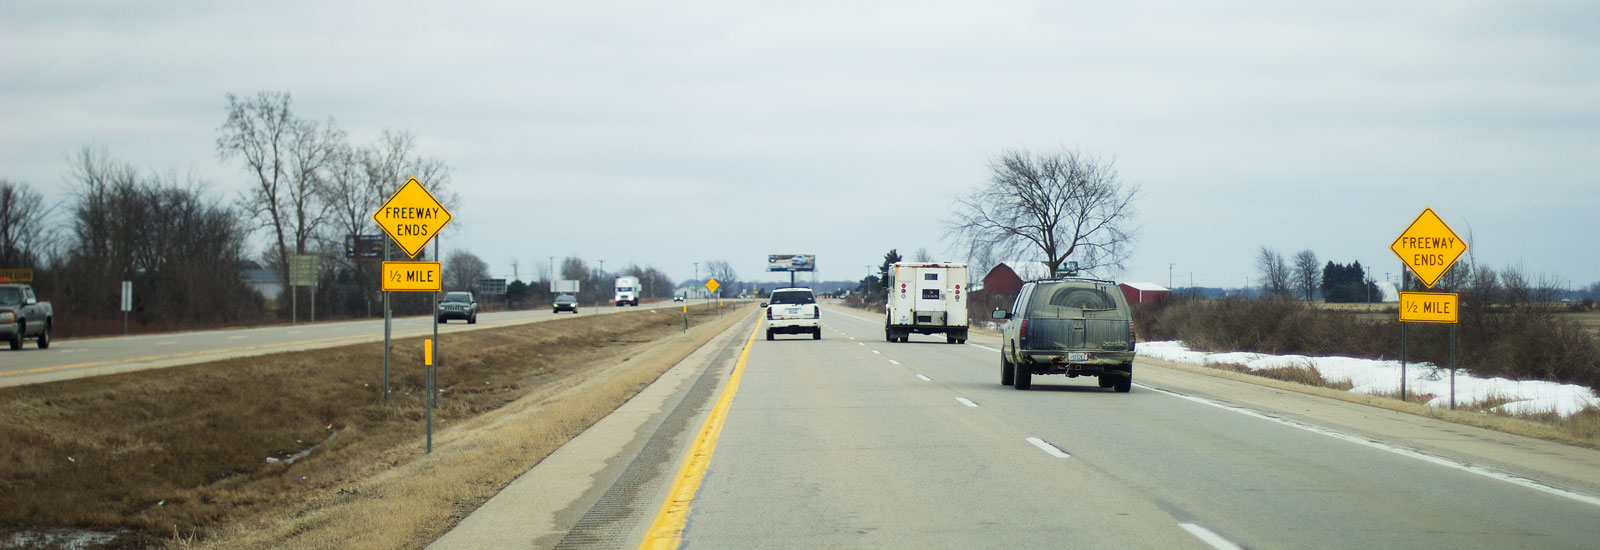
[664, 133]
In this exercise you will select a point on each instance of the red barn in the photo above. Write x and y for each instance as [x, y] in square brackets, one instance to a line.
[1139, 293]
[1006, 278]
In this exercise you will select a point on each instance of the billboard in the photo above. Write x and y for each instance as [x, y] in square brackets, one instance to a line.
[363, 247]
[791, 262]
[564, 286]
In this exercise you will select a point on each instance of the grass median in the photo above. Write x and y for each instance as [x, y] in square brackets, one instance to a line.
[298, 449]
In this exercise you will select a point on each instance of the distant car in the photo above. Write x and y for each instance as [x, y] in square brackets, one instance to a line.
[677, 298]
[565, 302]
[794, 311]
[458, 305]
[1071, 326]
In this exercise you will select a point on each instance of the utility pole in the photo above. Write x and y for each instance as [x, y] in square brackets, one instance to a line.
[602, 280]
[514, 275]
[1169, 275]
[697, 273]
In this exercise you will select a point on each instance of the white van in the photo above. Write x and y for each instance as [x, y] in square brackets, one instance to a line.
[926, 298]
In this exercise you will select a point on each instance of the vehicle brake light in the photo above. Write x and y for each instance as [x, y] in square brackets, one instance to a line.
[1133, 335]
[769, 313]
[816, 312]
[1022, 331]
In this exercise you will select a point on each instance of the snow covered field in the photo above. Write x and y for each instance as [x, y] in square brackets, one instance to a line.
[1374, 376]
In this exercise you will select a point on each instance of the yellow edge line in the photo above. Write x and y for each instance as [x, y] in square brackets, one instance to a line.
[667, 531]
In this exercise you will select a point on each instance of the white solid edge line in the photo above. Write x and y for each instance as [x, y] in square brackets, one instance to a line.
[1491, 474]
[1052, 450]
[979, 346]
[924, 378]
[967, 402]
[1209, 537]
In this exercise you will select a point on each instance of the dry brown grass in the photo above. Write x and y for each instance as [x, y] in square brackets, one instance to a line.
[182, 453]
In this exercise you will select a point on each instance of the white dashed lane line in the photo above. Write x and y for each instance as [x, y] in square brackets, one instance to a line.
[967, 402]
[1207, 536]
[924, 378]
[1049, 449]
[893, 362]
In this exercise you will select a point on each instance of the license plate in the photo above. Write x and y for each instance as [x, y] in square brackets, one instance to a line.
[794, 311]
[1077, 356]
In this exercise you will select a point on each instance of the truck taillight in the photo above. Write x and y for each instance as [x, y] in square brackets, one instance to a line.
[769, 313]
[816, 312]
[1133, 335]
[1022, 331]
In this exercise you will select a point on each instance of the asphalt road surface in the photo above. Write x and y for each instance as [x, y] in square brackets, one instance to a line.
[853, 442]
[81, 357]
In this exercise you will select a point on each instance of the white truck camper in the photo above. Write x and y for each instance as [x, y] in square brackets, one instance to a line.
[926, 298]
[627, 291]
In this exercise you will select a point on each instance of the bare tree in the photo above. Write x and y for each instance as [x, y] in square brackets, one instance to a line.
[723, 272]
[1274, 272]
[1061, 205]
[180, 248]
[922, 255]
[22, 232]
[463, 269]
[1307, 274]
[286, 156]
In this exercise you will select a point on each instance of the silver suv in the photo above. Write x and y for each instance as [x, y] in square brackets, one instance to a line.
[1076, 327]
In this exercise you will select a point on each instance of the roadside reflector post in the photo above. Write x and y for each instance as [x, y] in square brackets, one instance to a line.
[427, 352]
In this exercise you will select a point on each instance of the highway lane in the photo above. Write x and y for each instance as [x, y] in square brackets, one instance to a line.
[81, 357]
[854, 442]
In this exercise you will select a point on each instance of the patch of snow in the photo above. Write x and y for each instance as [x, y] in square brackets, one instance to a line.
[1372, 376]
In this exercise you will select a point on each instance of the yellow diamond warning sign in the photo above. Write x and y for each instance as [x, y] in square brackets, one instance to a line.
[712, 284]
[1428, 247]
[412, 217]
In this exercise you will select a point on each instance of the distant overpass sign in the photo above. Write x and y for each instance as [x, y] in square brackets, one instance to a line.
[412, 217]
[1428, 247]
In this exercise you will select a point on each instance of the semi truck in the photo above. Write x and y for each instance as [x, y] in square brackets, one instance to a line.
[926, 298]
[627, 291]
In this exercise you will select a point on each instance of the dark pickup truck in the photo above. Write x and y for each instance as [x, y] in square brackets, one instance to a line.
[22, 315]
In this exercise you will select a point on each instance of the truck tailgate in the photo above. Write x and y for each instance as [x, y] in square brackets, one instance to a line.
[1077, 334]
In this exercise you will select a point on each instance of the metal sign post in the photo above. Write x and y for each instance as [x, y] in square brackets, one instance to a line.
[1428, 248]
[412, 217]
[127, 304]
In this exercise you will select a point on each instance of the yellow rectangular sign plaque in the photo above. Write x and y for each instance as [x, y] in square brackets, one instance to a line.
[412, 277]
[1428, 307]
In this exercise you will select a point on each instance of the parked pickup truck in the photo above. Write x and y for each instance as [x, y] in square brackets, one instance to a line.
[22, 315]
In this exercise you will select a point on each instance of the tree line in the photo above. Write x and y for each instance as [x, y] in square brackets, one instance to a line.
[185, 246]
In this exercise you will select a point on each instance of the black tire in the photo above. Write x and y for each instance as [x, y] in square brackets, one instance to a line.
[16, 339]
[949, 338]
[769, 334]
[473, 320]
[888, 335]
[443, 321]
[1107, 380]
[44, 337]
[816, 334]
[1007, 376]
[1023, 379]
[1124, 383]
